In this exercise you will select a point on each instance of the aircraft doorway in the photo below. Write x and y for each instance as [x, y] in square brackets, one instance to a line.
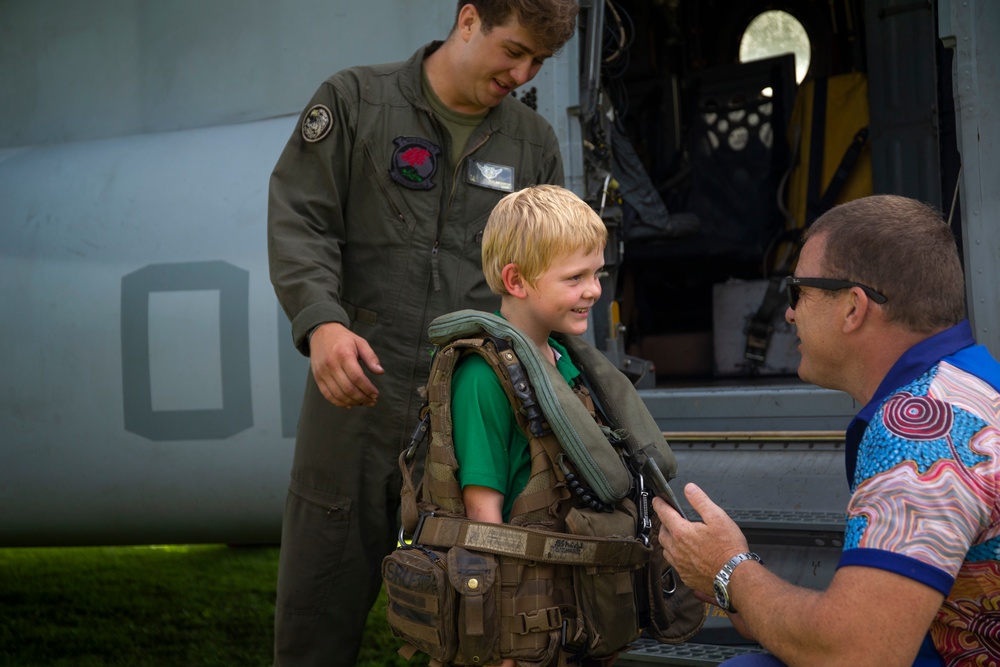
[702, 96]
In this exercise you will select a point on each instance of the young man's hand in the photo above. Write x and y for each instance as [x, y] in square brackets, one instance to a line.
[335, 355]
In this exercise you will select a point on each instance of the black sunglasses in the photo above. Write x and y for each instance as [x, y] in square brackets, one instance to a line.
[794, 285]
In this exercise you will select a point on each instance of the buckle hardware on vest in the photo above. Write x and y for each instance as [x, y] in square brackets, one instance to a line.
[420, 526]
[540, 620]
[668, 589]
[419, 433]
[574, 644]
[414, 541]
[643, 507]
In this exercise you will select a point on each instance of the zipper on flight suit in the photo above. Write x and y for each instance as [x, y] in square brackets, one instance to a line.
[435, 264]
[435, 272]
[385, 193]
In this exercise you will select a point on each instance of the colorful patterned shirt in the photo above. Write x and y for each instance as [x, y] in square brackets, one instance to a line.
[923, 462]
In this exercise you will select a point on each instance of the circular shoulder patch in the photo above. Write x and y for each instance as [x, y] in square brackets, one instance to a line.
[316, 123]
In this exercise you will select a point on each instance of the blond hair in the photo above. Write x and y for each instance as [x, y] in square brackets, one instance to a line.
[531, 227]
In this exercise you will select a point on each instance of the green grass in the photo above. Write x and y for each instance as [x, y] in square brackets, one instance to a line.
[206, 605]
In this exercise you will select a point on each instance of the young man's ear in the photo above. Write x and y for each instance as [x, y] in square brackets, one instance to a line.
[468, 18]
[513, 281]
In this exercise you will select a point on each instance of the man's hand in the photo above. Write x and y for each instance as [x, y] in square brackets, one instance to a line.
[855, 621]
[697, 551]
[335, 355]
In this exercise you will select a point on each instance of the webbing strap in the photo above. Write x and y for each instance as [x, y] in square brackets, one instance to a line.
[759, 329]
[409, 628]
[531, 544]
[526, 503]
[817, 145]
[839, 179]
[576, 430]
[539, 620]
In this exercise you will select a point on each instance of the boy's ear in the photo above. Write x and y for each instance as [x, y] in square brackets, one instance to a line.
[513, 281]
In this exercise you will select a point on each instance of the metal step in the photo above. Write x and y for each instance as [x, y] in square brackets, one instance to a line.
[772, 482]
[649, 652]
[789, 519]
[787, 492]
[753, 407]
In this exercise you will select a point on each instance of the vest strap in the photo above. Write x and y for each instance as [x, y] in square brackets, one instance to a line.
[566, 416]
[540, 620]
[533, 502]
[531, 544]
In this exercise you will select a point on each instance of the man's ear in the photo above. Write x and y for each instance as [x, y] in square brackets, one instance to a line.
[468, 18]
[858, 308]
[514, 281]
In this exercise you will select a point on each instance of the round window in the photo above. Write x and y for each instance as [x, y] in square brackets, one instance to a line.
[773, 33]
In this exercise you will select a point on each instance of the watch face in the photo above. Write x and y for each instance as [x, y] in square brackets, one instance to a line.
[721, 595]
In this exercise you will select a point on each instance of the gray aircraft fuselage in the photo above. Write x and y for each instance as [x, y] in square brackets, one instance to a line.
[149, 390]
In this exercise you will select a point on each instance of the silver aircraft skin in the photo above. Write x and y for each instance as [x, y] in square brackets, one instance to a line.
[142, 346]
[149, 390]
[148, 386]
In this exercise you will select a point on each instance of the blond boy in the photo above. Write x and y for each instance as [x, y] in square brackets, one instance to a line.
[543, 253]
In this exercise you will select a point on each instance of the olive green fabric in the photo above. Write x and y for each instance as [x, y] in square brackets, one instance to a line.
[359, 250]
[460, 126]
[347, 243]
[622, 405]
[577, 579]
[576, 431]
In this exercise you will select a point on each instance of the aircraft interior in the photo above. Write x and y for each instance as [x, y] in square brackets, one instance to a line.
[722, 150]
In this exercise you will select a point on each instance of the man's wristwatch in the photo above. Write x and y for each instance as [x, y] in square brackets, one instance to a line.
[721, 585]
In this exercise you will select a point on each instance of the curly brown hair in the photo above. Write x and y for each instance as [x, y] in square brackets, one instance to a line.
[551, 22]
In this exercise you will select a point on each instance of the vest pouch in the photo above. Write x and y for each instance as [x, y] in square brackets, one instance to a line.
[421, 601]
[676, 615]
[532, 596]
[473, 576]
[605, 595]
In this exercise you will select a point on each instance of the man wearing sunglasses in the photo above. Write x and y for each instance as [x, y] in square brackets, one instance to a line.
[878, 302]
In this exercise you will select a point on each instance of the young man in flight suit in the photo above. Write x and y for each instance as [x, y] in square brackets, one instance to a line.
[375, 219]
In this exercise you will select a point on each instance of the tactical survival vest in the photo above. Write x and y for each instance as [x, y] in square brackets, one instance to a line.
[577, 573]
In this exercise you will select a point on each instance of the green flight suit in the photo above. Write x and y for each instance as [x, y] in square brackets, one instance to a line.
[371, 225]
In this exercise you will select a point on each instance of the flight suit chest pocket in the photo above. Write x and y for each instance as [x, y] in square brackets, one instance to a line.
[405, 179]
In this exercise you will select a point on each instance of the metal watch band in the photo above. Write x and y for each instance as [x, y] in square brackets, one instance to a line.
[727, 569]
[721, 583]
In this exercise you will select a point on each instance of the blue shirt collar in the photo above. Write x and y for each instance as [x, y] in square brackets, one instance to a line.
[918, 360]
[915, 362]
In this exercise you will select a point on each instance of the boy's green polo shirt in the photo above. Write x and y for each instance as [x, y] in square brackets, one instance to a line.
[491, 449]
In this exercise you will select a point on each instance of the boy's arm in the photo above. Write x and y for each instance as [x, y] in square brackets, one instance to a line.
[481, 426]
[483, 504]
